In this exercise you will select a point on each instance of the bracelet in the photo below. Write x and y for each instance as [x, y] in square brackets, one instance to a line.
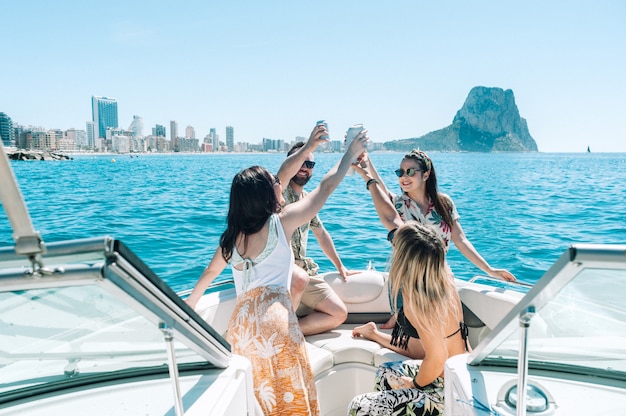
[417, 386]
[371, 181]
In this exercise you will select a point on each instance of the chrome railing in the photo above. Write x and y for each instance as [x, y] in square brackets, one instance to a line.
[27, 241]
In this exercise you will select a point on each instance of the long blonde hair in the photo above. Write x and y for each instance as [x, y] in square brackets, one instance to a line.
[418, 269]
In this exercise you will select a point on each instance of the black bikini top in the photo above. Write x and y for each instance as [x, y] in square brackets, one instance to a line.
[403, 330]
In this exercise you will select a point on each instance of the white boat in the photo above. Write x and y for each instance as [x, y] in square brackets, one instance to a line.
[87, 328]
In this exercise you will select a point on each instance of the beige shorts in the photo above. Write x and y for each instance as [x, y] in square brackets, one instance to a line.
[316, 291]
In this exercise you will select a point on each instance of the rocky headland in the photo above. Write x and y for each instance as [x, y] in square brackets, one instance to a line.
[489, 121]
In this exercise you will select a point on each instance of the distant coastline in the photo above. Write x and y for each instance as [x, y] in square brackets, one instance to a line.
[40, 155]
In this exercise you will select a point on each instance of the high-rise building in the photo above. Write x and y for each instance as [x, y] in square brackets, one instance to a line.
[104, 114]
[173, 130]
[18, 133]
[159, 131]
[91, 134]
[214, 139]
[230, 138]
[190, 132]
[136, 127]
[6, 130]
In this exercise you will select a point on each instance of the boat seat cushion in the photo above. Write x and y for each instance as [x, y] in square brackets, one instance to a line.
[360, 288]
[321, 360]
[344, 349]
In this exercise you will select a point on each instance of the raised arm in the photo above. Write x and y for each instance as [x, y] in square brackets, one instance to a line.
[380, 194]
[215, 267]
[370, 171]
[297, 213]
[292, 163]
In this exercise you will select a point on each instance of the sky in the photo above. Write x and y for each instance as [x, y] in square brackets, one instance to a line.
[271, 69]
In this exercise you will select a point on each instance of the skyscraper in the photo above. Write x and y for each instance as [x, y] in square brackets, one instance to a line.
[91, 134]
[173, 130]
[230, 138]
[6, 130]
[136, 127]
[190, 132]
[159, 130]
[214, 139]
[104, 114]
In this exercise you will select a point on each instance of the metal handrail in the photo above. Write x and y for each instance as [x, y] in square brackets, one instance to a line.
[27, 241]
[495, 279]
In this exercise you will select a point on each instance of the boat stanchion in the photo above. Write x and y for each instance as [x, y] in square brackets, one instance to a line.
[522, 366]
[28, 242]
[173, 367]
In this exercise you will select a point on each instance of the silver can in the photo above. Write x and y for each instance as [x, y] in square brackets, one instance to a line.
[352, 133]
[324, 137]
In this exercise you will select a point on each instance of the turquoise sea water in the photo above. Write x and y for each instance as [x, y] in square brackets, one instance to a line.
[521, 211]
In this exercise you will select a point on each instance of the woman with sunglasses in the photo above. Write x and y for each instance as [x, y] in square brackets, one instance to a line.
[419, 201]
[263, 326]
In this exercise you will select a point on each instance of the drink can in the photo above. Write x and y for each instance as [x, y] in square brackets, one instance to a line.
[325, 137]
[352, 133]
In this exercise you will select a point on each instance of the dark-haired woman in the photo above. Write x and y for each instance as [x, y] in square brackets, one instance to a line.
[419, 201]
[263, 327]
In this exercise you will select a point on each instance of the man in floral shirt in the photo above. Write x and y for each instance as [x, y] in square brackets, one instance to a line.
[320, 308]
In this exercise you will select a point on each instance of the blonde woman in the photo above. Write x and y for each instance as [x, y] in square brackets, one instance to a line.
[431, 314]
[420, 200]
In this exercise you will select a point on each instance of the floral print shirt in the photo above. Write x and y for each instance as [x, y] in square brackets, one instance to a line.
[300, 237]
[410, 211]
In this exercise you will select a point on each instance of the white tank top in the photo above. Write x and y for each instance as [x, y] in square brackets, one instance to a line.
[272, 267]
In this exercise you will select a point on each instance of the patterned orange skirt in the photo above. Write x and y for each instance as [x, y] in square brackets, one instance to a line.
[264, 329]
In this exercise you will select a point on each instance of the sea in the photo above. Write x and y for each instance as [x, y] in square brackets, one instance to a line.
[521, 211]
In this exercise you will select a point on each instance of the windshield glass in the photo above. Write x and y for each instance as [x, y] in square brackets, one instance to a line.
[580, 326]
[108, 316]
[49, 335]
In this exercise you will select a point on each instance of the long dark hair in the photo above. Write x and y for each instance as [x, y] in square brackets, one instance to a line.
[442, 204]
[252, 201]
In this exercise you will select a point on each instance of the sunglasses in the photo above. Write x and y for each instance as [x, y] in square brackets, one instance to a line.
[410, 172]
[308, 164]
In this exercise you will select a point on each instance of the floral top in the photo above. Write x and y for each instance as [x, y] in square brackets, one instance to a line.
[300, 236]
[410, 211]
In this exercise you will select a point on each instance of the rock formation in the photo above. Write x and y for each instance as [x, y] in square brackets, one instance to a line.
[489, 121]
[36, 155]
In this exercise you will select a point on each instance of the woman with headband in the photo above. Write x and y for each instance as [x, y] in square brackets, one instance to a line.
[419, 201]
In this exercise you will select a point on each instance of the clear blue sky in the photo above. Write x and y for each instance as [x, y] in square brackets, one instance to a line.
[273, 68]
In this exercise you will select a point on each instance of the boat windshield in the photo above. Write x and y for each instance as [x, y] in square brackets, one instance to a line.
[96, 312]
[578, 317]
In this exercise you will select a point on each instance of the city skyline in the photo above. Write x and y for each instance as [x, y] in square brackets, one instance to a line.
[131, 140]
[272, 69]
[106, 109]
[162, 130]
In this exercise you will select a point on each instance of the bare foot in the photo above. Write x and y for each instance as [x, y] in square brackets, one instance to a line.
[366, 331]
[390, 323]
